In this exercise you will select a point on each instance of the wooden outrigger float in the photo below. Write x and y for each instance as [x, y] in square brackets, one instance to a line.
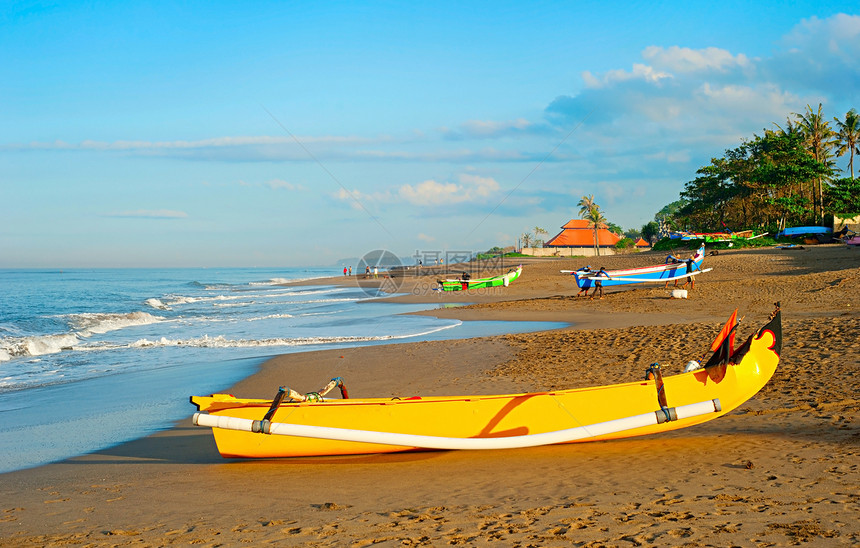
[311, 425]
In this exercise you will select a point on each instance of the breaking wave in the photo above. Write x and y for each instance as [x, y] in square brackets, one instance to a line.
[84, 326]
[89, 324]
[220, 341]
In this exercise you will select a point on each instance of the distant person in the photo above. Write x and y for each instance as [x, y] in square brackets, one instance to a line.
[367, 271]
[344, 271]
[350, 270]
[598, 285]
[584, 291]
[466, 276]
[375, 272]
[691, 266]
[671, 259]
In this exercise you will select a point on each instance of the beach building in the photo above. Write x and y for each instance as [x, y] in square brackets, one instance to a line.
[577, 239]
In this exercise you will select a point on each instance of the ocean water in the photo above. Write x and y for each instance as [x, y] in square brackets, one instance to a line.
[92, 358]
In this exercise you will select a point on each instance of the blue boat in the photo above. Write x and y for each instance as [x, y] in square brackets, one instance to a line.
[804, 230]
[657, 273]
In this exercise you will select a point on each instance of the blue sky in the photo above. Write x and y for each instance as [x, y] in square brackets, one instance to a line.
[286, 134]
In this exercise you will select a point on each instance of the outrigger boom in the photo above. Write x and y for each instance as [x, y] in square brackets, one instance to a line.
[646, 280]
[440, 442]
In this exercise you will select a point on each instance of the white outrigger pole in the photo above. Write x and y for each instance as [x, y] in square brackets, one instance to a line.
[660, 416]
[640, 280]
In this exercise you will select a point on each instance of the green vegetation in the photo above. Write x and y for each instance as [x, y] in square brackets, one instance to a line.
[670, 245]
[625, 243]
[498, 252]
[590, 211]
[786, 177]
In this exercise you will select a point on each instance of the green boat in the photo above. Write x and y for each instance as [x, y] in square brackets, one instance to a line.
[464, 283]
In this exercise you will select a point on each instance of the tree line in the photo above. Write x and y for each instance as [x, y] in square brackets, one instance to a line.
[785, 177]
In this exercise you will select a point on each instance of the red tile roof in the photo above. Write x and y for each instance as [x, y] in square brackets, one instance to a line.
[580, 233]
[582, 223]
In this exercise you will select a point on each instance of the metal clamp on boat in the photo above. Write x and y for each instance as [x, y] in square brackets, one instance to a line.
[264, 426]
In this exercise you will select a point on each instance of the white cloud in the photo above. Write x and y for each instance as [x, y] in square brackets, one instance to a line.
[358, 200]
[492, 128]
[839, 36]
[432, 193]
[684, 60]
[468, 188]
[640, 72]
[277, 184]
[425, 238]
[655, 124]
[821, 56]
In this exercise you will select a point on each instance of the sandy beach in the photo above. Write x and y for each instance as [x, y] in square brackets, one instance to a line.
[782, 470]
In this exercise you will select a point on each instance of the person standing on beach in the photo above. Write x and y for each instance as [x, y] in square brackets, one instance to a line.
[344, 271]
[375, 272]
[584, 291]
[598, 285]
[367, 271]
[671, 259]
[691, 265]
[350, 270]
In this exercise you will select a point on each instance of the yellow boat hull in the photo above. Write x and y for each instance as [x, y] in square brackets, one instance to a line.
[496, 415]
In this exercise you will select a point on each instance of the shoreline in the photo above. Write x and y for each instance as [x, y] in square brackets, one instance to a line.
[692, 486]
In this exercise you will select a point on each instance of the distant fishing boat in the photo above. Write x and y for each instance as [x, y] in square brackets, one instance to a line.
[673, 269]
[804, 231]
[464, 283]
[301, 425]
[716, 237]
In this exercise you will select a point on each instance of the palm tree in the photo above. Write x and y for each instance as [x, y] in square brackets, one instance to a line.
[790, 127]
[848, 137]
[585, 204]
[527, 239]
[590, 211]
[538, 231]
[819, 142]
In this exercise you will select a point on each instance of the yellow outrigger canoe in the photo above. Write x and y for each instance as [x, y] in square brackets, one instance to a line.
[312, 425]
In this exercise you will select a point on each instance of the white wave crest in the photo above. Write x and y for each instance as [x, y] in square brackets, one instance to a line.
[273, 281]
[89, 324]
[282, 281]
[183, 299]
[156, 303]
[220, 341]
[36, 346]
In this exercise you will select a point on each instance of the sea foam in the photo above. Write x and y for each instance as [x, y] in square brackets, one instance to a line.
[89, 323]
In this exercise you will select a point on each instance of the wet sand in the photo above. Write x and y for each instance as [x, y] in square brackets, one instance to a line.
[782, 470]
